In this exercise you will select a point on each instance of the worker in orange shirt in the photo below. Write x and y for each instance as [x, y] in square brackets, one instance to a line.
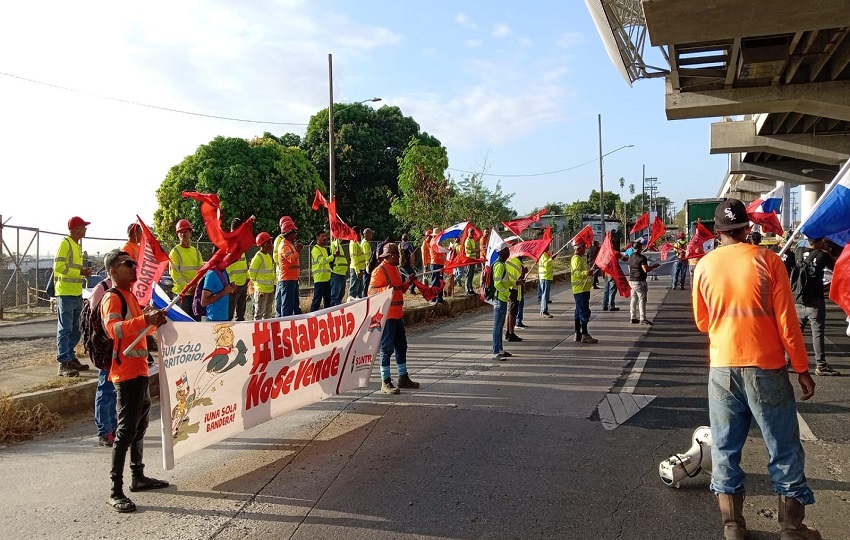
[123, 321]
[438, 261]
[134, 239]
[393, 338]
[287, 301]
[426, 251]
[742, 299]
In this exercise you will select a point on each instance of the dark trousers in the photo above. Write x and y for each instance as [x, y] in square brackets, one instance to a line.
[186, 305]
[133, 400]
[237, 303]
[470, 273]
[582, 314]
[321, 295]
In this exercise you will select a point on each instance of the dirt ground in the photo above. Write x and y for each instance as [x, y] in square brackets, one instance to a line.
[30, 352]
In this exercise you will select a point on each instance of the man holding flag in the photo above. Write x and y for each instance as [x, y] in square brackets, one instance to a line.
[582, 282]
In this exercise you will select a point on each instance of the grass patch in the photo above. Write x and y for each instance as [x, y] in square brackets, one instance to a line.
[57, 382]
[18, 424]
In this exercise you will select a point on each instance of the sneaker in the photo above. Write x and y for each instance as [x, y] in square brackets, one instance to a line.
[106, 440]
[388, 388]
[506, 354]
[547, 316]
[66, 371]
[827, 371]
[519, 324]
[76, 364]
[513, 338]
[646, 323]
[405, 382]
[613, 309]
[634, 321]
[588, 339]
[500, 357]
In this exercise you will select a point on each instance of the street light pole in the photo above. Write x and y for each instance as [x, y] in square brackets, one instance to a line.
[601, 187]
[331, 159]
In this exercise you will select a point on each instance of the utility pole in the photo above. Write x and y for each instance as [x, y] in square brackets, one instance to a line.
[643, 190]
[601, 187]
[331, 159]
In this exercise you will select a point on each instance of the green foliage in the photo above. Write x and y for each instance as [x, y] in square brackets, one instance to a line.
[367, 146]
[261, 178]
[479, 204]
[421, 182]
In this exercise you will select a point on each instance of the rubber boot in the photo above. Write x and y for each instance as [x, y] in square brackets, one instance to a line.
[732, 512]
[791, 515]
[141, 482]
[405, 382]
[116, 473]
[578, 331]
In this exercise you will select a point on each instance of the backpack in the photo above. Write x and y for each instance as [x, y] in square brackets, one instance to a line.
[488, 288]
[96, 341]
[197, 308]
[805, 286]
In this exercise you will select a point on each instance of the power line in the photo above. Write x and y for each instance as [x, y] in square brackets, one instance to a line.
[148, 105]
[542, 173]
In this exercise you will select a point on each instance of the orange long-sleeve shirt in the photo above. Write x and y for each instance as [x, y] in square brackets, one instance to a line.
[742, 299]
[387, 276]
[125, 366]
[426, 253]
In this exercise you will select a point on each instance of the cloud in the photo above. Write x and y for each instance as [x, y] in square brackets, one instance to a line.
[569, 39]
[472, 43]
[464, 20]
[525, 41]
[501, 30]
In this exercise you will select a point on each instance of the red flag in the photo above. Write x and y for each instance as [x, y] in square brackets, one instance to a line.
[608, 261]
[428, 293]
[641, 224]
[768, 221]
[665, 250]
[658, 230]
[461, 260]
[319, 201]
[702, 235]
[585, 236]
[516, 226]
[152, 263]
[339, 228]
[839, 290]
[531, 248]
[547, 232]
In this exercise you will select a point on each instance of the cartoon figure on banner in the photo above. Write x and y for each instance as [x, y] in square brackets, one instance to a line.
[225, 357]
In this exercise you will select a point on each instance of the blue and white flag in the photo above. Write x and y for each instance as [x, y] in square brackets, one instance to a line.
[831, 217]
[452, 233]
[493, 246]
[772, 202]
[160, 299]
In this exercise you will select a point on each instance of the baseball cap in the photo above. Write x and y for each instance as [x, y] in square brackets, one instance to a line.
[502, 246]
[730, 215]
[77, 221]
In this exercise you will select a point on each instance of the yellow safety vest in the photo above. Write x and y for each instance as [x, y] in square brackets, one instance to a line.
[262, 273]
[67, 269]
[320, 264]
[470, 248]
[358, 259]
[581, 280]
[505, 275]
[238, 271]
[276, 251]
[185, 263]
[367, 251]
[545, 267]
[340, 267]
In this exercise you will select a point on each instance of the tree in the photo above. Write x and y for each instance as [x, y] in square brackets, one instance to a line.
[479, 204]
[261, 178]
[421, 181]
[367, 146]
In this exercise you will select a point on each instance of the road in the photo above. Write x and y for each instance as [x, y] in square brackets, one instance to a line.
[484, 449]
[41, 328]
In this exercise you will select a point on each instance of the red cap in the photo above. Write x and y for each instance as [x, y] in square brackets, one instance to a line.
[77, 221]
[681, 236]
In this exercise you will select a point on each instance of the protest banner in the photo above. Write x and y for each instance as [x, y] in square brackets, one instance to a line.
[219, 379]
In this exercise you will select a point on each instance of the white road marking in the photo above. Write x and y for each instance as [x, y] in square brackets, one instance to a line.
[634, 375]
[805, 431]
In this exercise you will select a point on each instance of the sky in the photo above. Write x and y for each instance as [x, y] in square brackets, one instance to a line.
[511, 89]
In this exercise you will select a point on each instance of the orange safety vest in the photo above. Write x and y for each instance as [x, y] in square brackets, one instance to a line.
[384, 277]
[290, 265]
[438, 257]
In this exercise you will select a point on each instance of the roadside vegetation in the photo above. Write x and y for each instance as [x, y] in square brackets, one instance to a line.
[18, 424]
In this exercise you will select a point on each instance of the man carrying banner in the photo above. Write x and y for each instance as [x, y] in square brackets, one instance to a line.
[742, 299]
[186, 260]
[582, 282]
[320, 267]
[393, 338]
[261, 273]
[287, 300]
[129, 374]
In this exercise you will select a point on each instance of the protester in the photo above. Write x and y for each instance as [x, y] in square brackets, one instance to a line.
[320, 266]
[742, 299]
[755, 238]
[238, 275]
[283, 222]
[582, 282]
[339, 271]
[215, 295]
[809, 303]
[545, 273]
[105, 418]
[638, 269]
[366, 247]
[184, 262]
[408, 260]
[69, 277]
[516, 306]
[609, 292]
[438, 262]
[469, 249]
[134, 239]
[287, 299]
[129, 374]
[503, 280]
[592, 252]
[681, 248]
[393, 336]
[261, 273]
[483, 242]
[357, 267]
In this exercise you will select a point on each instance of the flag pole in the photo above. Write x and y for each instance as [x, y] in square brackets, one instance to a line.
[832, 185]
[151, 327]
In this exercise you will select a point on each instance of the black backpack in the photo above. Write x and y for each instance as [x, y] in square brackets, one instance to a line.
[488, 288]
[96, 342]
[805, 285]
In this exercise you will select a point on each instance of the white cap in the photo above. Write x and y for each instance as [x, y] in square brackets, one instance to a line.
[502, 246]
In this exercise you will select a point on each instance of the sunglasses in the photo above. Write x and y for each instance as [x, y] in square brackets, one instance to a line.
[129, 263]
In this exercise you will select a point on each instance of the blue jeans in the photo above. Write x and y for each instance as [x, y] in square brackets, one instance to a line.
[609, 294]
[278, 299]
[680, 273]
[289, 301]
[105, 416]
[436, 279]
[355, 284]
[470, 274]
[70, 308]
[520, 310]
[321, 295]
[393, 338]
[337, 288]
[543, 294]
[500, 311]
[582, 314]
[736, 396]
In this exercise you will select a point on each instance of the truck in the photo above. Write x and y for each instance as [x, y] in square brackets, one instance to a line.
[701, 210]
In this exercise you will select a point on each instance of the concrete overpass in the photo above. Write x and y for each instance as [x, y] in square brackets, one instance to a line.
[780, 67]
